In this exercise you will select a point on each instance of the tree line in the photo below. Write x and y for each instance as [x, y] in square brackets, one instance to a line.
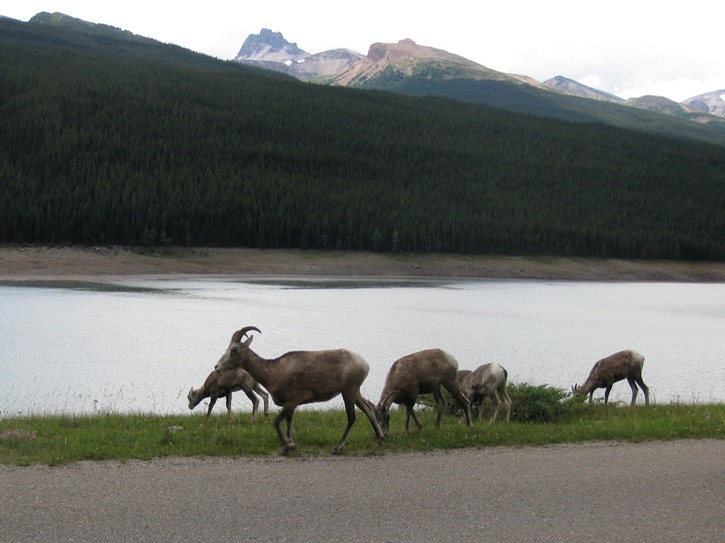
[109, 140]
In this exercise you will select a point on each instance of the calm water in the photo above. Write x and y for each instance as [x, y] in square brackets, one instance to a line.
[138, 346]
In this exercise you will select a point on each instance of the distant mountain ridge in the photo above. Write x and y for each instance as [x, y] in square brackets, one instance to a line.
[684, 110]
[574, 88]
[270, 50]
[387, 64]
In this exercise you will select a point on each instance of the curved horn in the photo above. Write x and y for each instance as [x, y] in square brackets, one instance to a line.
[239, 334]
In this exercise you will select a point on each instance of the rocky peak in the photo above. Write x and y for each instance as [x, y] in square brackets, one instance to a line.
[404, 48]
[271, 50]
[269, 46]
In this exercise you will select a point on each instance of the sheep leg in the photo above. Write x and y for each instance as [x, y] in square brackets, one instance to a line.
[351, 417]
[606, 393]
[476, 409]
[440, 406]
[255, 403]
[635, 390]
[644, 388]
[265, 398]
[285, 414]
[212, 401]
[506, 403]
[410, 412]
[417, 422]
[369, 411]
[479, 410]
[229, 405]
[496, 403]
[455, 390]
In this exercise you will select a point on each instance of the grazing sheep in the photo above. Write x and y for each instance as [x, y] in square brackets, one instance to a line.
[420, 373]
[220, 384]
[487, 380]
[302, 377]
[462, 374]
[607, 371]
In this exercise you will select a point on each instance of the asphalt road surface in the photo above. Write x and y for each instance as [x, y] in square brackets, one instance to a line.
[603, 492]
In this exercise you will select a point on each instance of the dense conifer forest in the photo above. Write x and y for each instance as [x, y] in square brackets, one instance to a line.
[430, 81]
[108, 138]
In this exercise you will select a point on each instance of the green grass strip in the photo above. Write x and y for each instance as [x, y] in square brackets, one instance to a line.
[54, 440]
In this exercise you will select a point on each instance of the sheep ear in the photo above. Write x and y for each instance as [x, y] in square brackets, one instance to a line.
[248, 341]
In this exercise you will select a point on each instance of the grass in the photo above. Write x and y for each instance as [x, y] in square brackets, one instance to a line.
[55, 440]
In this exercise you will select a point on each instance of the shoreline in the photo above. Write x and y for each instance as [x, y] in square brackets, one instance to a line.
[106, 264]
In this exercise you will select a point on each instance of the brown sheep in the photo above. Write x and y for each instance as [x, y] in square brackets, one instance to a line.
[607, 371]
[302, 377]
[223, 384]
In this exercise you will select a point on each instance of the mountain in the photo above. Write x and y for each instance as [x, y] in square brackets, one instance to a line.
[666, 106]
[110, 138]
[269, 46]
[390, 62]
[657, 104]
[408, 68]
[698, 109]
[711, 102]
[574, 88]
[270, 50]
[412, 69]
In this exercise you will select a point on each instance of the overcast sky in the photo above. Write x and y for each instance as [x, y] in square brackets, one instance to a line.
[629, 48]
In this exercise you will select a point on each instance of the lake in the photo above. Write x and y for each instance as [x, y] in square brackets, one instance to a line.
[139, 345]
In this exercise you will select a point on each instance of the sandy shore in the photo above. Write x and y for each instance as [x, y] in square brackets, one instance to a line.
[109, 263]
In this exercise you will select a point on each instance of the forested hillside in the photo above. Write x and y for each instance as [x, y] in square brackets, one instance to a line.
[108, 138]
[536, 101]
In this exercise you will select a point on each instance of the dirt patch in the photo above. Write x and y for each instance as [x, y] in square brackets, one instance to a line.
[107, 263]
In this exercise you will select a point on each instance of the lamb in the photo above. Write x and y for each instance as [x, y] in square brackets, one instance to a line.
[219, 384]
[487, 380]
[423, 372]
[302, 377]
[607, 371]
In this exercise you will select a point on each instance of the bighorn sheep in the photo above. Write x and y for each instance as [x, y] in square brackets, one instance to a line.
[487, 380]
[223, 383]
[462, 374]
[302, 377]
[607, 371]
[420, 373]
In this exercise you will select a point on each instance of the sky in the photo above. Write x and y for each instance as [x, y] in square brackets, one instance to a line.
[629, 48]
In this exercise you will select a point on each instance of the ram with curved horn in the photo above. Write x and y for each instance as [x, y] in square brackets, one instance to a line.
[302, 377]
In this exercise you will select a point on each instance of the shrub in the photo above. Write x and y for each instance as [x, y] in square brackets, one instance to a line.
[531, 403]
[538, 403]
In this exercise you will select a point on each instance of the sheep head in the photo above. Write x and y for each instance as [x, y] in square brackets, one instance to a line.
[238, 350]
[579, 392]
[194, 397]
[382, 414]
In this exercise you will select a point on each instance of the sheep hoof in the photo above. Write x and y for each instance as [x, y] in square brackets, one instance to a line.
[336, 451]
[291, 446]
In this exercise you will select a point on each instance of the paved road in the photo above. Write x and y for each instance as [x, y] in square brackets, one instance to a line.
[652, 492]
